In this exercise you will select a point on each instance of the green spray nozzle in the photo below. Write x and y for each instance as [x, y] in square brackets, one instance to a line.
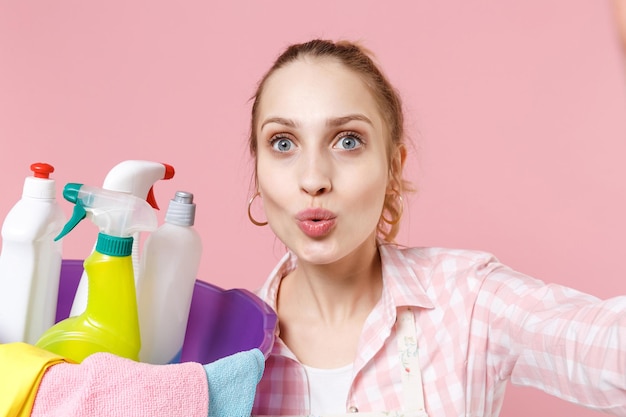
[115, 213]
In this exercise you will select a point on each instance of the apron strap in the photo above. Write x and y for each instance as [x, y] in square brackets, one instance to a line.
[411, 373]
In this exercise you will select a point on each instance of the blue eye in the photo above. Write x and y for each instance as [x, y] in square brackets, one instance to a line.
[349, 141]
[282, 144]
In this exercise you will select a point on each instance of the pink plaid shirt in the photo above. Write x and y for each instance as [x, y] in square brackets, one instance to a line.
[479, 323]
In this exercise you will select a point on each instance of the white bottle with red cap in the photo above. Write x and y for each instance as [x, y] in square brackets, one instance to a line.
[30, 261]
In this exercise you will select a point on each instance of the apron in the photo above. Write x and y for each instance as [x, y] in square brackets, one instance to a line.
[412, 388]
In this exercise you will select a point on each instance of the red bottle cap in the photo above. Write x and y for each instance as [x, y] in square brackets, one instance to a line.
[41, 170]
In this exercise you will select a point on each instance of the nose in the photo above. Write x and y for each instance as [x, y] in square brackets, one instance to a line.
[315, 173]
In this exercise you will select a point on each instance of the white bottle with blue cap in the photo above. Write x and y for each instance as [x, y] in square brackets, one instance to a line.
[168, 271]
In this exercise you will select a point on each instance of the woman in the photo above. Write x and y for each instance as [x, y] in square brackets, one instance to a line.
[354, 310]
[365, 325]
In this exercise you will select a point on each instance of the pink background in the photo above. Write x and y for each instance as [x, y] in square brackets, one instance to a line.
[517, 110]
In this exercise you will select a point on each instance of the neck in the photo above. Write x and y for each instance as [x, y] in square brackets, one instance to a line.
[337, 292]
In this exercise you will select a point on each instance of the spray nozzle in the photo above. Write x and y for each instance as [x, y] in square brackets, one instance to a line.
[115, 213]
[137, 177]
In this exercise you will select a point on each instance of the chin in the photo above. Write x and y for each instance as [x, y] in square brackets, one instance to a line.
[327, 251]
[317, 252]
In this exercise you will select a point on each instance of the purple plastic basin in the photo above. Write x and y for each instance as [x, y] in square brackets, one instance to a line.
[221, 322]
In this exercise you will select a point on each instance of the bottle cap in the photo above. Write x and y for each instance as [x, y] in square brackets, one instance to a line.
[113, 245]
[181, 210]
[39, 185]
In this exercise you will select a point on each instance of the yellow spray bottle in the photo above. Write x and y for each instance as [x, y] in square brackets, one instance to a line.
[110, 320]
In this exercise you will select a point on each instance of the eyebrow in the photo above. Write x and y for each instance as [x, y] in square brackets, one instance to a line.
[334, 122]
[280, 121]
[340, 121]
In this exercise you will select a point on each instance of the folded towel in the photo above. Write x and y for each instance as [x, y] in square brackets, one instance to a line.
[232, 383]
[23, 366]
[107, 385]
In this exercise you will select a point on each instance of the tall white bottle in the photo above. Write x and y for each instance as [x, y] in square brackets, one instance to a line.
[168, 268]
[30, 262]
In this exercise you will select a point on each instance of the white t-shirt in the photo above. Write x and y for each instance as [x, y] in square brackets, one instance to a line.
[328, 389]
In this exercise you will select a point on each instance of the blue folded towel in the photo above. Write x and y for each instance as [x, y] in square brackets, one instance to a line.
[232, 383]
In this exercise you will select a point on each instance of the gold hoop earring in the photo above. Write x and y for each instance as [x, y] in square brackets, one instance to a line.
[252, 219]
[400, 210]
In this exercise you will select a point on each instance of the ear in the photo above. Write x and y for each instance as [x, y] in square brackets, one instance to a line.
[401, 153]
[397, 165]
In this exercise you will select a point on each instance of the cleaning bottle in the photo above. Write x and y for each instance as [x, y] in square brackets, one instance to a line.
[109, 322]
[169, 268]
[30, 262]
[136, 177]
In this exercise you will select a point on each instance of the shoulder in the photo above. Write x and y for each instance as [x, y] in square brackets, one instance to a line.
[438, 258]
[443, 270]
[414, 274]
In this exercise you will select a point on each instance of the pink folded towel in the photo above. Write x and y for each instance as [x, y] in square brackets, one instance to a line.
[139, 389]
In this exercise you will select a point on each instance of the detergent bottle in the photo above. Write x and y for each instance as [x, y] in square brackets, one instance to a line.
[109, 322]
[30, 262]
[169, 268]
[136, 177]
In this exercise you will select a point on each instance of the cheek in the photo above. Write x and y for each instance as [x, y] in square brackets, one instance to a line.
[273, 185]
[379, 186]
[369, 193]
[264, 173]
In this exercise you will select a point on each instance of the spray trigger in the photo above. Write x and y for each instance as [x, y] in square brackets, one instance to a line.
[70, 193]
[151, 199]
[78, 215]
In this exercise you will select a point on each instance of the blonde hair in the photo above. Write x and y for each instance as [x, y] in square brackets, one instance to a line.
[360, 60]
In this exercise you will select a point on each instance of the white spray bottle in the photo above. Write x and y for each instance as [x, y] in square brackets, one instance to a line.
[30, 263]
[169, 268]
[136, 177]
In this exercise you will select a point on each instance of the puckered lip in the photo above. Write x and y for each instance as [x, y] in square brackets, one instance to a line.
[315, 214]
[316, 223]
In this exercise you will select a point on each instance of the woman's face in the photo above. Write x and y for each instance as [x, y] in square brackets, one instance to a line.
[321, 162]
